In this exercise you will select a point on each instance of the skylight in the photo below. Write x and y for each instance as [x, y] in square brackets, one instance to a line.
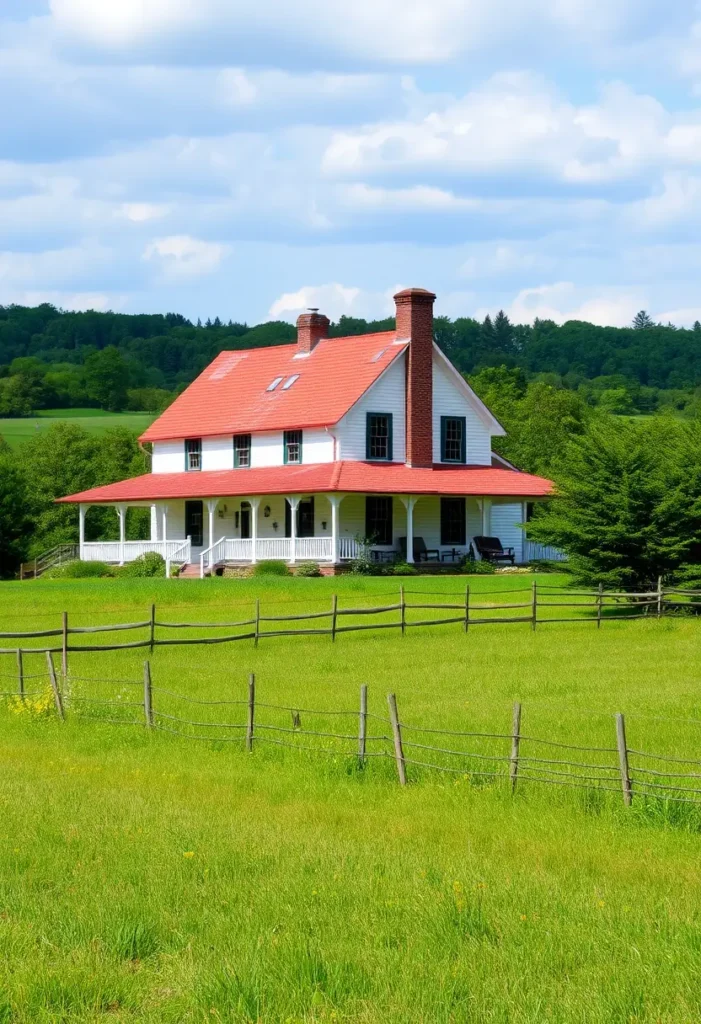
[290, 381]
[273, 384]
[378, 355]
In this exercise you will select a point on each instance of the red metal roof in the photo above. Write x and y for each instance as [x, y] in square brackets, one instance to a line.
[341, 477]
[231, 395]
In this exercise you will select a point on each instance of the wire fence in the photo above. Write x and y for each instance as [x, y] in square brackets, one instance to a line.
[532, 607]
[514, 758]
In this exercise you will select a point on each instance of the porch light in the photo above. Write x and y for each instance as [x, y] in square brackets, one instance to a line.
[266, 511]
[323, 524]
[275, 526]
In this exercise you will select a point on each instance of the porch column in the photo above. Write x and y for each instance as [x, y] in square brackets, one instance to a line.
[408, 503]
[82, 509]
[486, 517]
[524, 538]
[154, 522]
[294, 505]
[122, 513]
[335, 502]
[164, 522]
[211, 508]
[254, 502]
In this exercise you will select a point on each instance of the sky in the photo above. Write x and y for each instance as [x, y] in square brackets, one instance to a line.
[248, 159]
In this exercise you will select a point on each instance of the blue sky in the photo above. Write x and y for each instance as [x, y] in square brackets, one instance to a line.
[250, 158]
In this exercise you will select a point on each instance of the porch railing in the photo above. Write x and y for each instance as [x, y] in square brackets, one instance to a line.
[211, 555]
[544, 552]
[115, 551]
[179, 557]
[348, 548]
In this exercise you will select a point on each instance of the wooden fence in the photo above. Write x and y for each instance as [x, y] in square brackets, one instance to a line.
[518, 758]
[591, 606]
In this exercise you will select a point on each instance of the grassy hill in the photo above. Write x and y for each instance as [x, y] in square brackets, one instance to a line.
[14, 431]
[151, 877]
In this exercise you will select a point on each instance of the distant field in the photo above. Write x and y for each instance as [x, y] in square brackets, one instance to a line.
[151, 878]
[15, 431]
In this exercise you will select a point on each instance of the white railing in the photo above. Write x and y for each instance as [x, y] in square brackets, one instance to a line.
[211, 555]
[238, 550]
[181, 556]
[543, 552]
[115, 551]
[316, 549]
[273, 547]
[349, 548]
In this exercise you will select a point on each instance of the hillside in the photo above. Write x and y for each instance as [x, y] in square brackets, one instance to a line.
[55, 359]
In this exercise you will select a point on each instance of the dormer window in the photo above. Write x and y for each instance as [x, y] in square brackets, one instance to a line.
[378, 437]
[193, 454]
[273, 384]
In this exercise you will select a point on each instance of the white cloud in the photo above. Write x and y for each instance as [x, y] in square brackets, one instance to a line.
[563, 301]
[139, 213]
[181, 255]
[504, 259]
[334, 300]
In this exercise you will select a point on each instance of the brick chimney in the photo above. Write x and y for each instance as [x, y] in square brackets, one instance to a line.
[415, 323]
[311, 328]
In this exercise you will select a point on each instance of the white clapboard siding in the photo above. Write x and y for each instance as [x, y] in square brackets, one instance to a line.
[505, 521]
[218, 452]
[449, 399]
[168, 457]
[387, 394]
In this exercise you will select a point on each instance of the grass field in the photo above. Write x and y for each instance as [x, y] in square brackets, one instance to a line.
[145, 877]
[14, 431]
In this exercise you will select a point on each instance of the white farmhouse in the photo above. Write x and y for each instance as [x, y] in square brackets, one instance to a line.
[316, 450]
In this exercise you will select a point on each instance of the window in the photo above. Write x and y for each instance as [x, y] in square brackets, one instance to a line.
[453, 521]
[273, 384]
[242, 451]
[292, 447]
[305, 518]
[378, 437]
[378, 520]
[290, 381]
[193, 453]
[453, 448]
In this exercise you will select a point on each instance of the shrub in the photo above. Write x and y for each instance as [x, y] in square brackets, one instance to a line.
[308, 569]
[403, 569]
[480, 568]
[79, 571]
[272, 568]
[365, 566]
[149, 564]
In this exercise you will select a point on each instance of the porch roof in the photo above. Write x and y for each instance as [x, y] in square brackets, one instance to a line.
[333, 477]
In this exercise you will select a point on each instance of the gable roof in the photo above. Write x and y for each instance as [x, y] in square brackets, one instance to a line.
[231, 395]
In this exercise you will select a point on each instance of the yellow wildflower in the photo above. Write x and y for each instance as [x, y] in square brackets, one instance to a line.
[189, 854]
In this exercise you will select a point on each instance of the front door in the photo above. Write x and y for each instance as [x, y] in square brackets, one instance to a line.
[305, 518]
[245, 520]
[194, 520]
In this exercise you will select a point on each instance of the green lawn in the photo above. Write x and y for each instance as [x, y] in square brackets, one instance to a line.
[14, 431]
[146, 877]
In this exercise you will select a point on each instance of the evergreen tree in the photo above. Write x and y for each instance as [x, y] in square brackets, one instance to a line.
[503, 332]
[487, 335]
[642, 321]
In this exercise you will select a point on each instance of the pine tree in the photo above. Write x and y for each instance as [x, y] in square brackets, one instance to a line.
[697, 327]
[642, 321]
[503, 332]
[487, 336]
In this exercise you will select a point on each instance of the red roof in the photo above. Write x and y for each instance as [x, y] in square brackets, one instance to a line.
[358, 477]
[231, 395]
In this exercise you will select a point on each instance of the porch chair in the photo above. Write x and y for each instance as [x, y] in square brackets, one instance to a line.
[490, 549]
[421, 552]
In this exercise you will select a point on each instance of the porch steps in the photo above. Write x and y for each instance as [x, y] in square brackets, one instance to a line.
[190, 571]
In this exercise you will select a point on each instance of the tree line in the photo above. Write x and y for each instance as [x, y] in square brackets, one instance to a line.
[50, 358]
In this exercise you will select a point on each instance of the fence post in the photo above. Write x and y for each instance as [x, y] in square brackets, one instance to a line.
[20, 672]
[467, 607]
[599, 605]
[515, 743]
[58, 701]
[334, 613]
[257, 633]
[659, 596]
[363, 724]
[623, 760]
[148, 699]
[402, 608]
[251, 711]
[64, 645]
[152, 628]
[534, 614]
[397, 734]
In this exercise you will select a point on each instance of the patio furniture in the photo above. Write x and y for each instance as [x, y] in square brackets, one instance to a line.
[490, 549]
[421, 552]
[454, 555]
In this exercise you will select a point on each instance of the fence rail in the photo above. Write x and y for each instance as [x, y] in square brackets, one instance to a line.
[602, 606]
[513, 760]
